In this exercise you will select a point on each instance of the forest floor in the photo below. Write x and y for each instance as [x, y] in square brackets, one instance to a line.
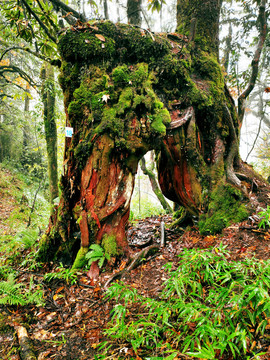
[70, 325]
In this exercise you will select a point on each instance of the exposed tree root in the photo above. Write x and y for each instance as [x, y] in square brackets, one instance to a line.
[135, 261]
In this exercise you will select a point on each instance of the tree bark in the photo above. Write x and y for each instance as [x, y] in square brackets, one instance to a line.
[48, 99]
[200, 150]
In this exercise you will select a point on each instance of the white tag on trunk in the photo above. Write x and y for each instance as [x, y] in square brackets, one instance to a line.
[69, 131]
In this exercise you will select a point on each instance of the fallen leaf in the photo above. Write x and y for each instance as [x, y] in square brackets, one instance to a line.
[100, 37]
[93, 273]
[122, 265]
[92, 27]
[105, 98]
[59, 289]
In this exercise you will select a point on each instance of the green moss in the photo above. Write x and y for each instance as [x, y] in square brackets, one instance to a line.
[207, 67]
[109, 245]
[160, 119]
[226, 206]
[80, 260]
[4, 324]
[86, 47]
[125, 100]
[139, 74]
[120, 75]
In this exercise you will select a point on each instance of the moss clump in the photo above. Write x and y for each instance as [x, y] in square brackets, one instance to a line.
[80, 260]
[4, 324]
[139, 74]
[226, 206]
[85, 47]
[207, 67]
[161, 118]
[109, 245]
[125, 100]
[120, 75]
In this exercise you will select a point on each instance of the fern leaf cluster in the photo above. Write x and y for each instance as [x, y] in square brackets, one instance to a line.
[14, 293]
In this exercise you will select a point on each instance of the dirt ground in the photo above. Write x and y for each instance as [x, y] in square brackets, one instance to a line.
[70, 324]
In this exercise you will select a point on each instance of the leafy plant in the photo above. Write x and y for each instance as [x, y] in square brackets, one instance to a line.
[5, 271]
[265, 217]
[14, 293]
[62, 273]
[209, 307]
[97, 253]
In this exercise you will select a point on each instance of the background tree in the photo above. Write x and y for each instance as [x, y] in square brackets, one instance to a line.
[134, 12]
[48, 99]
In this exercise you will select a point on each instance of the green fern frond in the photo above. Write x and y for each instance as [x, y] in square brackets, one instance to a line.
[14, 293]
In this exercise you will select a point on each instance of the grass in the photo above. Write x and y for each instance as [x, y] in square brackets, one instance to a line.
[209, 308]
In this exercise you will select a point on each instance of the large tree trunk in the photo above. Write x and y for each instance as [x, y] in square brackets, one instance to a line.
[198, 158]
[127, 92]
[116, 118]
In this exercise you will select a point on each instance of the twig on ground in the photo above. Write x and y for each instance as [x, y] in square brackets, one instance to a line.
[132, 265]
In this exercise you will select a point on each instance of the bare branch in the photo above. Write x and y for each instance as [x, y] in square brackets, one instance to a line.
[256, 138]
[255, 61]
[5, 95]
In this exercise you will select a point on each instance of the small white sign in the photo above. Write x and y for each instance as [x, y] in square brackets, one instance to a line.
[69, 131]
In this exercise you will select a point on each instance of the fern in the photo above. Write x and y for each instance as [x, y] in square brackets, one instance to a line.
[13, 293]
[24, 239]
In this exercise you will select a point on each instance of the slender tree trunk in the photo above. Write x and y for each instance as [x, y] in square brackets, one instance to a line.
[134, 12]
[154, 184]
[105, 6]
[25, 129]
[228, 49]
[48, 99]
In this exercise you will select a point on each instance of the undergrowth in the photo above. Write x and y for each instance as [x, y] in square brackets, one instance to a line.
[15, 293]
[209, 308]
[24, 218]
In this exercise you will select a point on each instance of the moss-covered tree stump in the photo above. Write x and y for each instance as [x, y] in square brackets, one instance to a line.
[128, 91]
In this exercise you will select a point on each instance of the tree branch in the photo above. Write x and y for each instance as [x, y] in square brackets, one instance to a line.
[39, 21]
[46, 15]
[42, 57]
[261, 112]
[15, 69]
[5, 95]
[255, 62]
[68, 9]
